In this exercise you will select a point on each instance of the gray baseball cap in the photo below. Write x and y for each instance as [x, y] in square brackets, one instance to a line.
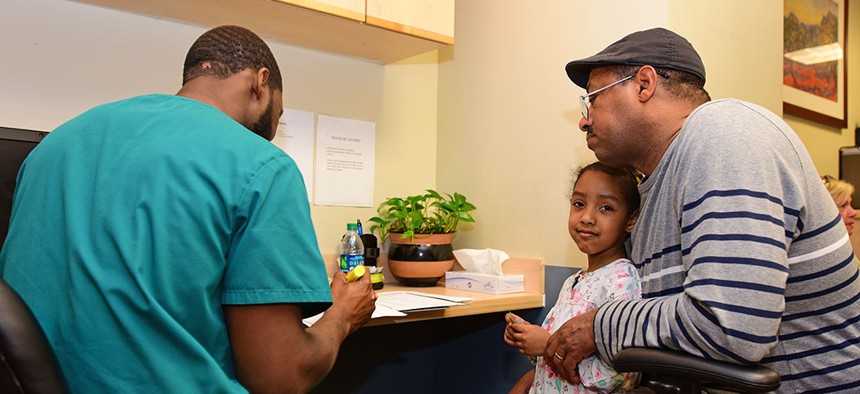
[656, 47]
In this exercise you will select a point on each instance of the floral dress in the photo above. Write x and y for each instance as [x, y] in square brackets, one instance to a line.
[581, 293]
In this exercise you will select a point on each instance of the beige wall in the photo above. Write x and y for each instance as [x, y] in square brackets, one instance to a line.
[404, 98]
[740, 42]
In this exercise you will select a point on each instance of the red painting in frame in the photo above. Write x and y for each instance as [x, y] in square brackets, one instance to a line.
[814, 56]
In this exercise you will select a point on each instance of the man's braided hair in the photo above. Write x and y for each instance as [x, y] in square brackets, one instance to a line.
[226, 50]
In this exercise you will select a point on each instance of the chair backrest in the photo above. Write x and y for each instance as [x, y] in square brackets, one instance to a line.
[27, 361]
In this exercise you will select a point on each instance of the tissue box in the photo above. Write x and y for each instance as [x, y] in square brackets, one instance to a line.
[484, 283]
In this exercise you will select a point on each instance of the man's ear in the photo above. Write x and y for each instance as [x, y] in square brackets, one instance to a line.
[261, 79]
[631, 222]
[647, 79]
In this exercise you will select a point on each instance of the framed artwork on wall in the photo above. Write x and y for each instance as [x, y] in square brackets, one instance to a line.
[814, 76]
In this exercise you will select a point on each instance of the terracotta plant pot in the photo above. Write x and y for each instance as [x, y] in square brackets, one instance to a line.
[420, 261]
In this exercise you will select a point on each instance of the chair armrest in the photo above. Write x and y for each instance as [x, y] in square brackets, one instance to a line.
[702, 372]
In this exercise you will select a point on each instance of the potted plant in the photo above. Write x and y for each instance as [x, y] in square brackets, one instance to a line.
[421, 228]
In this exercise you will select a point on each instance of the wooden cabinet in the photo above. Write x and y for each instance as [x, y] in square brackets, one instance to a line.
[382, 31]
[428, 19]
[431, 19]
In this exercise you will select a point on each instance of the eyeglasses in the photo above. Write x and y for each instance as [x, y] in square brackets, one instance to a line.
[585, 103]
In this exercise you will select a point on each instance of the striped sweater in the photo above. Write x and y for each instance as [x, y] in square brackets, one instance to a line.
[743, 256]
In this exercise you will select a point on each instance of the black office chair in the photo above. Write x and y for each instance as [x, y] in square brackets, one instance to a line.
[667, 371]
[27, 361]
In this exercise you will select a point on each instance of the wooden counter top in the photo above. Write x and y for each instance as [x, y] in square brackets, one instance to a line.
[480, 303]
[532, 296]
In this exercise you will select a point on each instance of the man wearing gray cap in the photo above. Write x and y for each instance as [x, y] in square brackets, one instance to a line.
[743, 257]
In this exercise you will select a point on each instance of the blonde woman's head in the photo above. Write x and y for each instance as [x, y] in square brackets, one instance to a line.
[842, 193]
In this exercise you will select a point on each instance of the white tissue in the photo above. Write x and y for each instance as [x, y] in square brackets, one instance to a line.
[484, 261]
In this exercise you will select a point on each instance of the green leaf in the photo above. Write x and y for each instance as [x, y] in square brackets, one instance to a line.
[428, 213]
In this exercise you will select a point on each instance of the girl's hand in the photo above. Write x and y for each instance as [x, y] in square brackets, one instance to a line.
[530, 338]
[511, 318]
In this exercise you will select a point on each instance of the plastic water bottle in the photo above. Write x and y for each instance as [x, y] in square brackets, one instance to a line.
[351, 249]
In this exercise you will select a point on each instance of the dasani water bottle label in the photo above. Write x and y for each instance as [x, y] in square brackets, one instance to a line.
[350, 261]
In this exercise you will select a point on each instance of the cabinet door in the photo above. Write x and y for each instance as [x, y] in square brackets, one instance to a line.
[430, 19]
[351, 9]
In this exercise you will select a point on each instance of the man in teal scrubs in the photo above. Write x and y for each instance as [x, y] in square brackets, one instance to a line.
[165, 245]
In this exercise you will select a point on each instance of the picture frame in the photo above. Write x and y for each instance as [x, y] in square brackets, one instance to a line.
[814, 61]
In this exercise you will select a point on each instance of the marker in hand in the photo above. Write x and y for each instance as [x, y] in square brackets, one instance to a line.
[356, 273]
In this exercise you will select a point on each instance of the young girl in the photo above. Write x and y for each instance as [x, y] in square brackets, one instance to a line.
[604, 206]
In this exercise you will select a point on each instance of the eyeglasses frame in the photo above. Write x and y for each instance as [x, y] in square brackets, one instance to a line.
[585, 103]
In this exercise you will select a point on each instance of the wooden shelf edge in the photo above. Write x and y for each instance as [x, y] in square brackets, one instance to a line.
[313, 5]
[518, 302]
[410, 30]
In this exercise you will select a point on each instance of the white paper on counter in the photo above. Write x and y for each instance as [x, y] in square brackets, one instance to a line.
[344, 162]
[399, 303]
[407, 301]
[295, 136]
[380, 311]
[462, 300]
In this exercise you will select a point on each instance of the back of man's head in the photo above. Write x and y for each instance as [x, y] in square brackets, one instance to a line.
[226, 50]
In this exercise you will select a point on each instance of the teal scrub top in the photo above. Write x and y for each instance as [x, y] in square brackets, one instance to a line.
[135, 222]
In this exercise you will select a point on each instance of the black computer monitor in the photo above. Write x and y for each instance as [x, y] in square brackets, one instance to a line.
[849, 170]
[15, 145]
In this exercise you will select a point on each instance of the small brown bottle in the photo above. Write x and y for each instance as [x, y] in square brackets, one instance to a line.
[371, 253]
